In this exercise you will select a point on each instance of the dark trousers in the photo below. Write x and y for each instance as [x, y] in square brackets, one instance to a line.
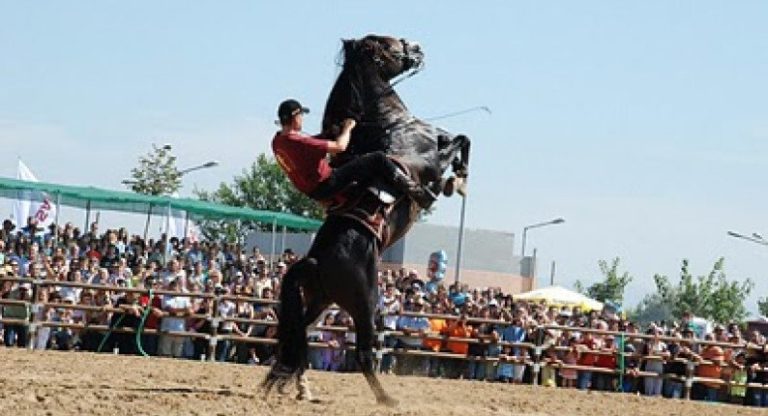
[149, 343]
[361, 169]
[15, 335]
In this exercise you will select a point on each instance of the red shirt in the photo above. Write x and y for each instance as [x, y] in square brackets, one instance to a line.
[302, 158]
[152, 320]
[586, 358]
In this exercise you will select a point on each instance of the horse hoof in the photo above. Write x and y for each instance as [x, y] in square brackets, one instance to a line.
[449, 186]
[461, 186]
[387, 401]
[304, 397]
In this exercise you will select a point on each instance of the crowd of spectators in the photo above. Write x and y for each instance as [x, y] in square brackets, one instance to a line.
[574, 354]
[492, 332]
[114, 259]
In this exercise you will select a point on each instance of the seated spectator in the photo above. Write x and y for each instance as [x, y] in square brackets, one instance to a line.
[570, 375]
[226, 310]
[437, 327]
[457, 329]
[675, 367]
[548, 370]
[654, 355]
[587, 358]
[149, 341]
[413, 329]
[177, 308]
[332, 356]
[606, 360]
[17, 334]
[485, 333]
[513, 355]
[710, 360]
[756, 362]
[127, 318]
[737, 392]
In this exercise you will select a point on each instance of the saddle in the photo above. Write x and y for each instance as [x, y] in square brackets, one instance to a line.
[369, 206]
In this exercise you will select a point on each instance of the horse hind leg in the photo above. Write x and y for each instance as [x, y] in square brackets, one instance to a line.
[316, 305]
[364, 355]
[291, 331]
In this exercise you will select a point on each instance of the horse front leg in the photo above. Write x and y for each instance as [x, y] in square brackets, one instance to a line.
[456, 154]
[364, 355]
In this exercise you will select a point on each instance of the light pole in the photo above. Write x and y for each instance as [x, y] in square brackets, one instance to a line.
[755, 237]
[209, 164]
[129, 182]
[541, 224]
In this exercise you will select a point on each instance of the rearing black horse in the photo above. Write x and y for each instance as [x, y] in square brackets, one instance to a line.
[341, 265]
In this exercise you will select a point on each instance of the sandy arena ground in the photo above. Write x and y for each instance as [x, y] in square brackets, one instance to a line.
[53, 383]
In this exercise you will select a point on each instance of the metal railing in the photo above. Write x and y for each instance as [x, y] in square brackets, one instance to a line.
[533, 358]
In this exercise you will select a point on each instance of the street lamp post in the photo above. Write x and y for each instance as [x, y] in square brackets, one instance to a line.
[209, 164]
[755, 237]
[542, 224]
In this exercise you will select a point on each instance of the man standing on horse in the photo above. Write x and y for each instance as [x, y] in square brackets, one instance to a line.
[303, 159]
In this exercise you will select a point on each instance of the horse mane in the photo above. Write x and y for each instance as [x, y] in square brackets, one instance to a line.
[346, 99]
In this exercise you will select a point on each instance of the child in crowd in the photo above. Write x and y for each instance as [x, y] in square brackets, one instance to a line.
[548, 371]
[569, 375]
[739, 377]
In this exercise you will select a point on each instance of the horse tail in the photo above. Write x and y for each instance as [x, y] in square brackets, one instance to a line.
[291, 331]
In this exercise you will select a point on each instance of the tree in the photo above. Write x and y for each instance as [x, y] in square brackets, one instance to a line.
[709, 296]
[762, 306]
[262, 186]
[156, 173]
[611, 288]
[651, 309]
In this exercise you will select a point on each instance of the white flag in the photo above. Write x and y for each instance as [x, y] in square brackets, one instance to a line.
[176, 224]
[32, 203]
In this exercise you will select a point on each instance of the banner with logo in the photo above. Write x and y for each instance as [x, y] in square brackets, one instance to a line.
[35, 204]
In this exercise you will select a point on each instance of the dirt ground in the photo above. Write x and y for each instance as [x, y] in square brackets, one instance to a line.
[69, 383]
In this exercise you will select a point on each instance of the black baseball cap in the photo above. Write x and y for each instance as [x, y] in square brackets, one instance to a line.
[290, 108]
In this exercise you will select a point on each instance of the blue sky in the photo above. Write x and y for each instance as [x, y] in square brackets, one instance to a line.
[644, 124]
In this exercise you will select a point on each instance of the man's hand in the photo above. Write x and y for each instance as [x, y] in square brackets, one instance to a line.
[340, 144]
[348, 124]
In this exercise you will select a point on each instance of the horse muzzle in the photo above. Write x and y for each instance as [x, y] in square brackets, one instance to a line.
[414, 56]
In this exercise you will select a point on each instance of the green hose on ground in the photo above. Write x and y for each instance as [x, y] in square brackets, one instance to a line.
[109, 332]
[139, 330]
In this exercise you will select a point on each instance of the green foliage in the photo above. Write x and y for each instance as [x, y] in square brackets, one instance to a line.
[156, 173]
[611, 288]
[651, 309]
[709, 296]
[262, 186]
[762, 306]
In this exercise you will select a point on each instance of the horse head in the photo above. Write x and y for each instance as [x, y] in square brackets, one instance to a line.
[389, 56]
[364, 90]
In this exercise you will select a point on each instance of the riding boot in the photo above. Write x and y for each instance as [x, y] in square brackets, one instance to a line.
[413, 189]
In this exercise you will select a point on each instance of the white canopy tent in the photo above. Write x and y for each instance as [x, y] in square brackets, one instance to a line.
[560, 296]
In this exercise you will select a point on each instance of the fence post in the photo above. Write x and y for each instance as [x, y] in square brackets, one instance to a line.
[621, 353]
[33, 307]
[537, 355]
[214, 339]
[379, 350]
[689, 374]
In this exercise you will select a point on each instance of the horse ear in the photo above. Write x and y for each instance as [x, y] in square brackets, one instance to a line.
[349, 45]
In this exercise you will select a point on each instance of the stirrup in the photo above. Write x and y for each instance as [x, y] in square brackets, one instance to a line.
[383, 195]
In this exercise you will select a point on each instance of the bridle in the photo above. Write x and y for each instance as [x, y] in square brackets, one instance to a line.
[413, 66]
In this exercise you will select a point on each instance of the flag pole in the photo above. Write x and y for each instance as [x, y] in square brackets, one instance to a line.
[87, 216]
[56, 219]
